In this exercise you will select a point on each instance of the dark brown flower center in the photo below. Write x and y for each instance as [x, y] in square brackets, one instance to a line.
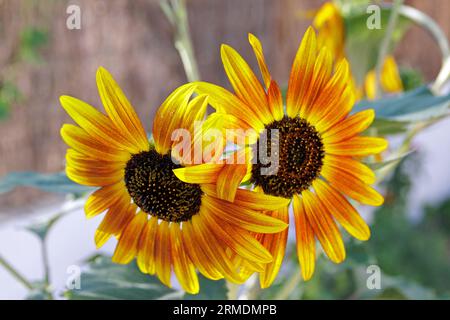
[300, 157]
[155, 189]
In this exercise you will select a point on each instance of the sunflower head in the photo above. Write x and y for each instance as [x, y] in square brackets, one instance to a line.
[319, 146]
[167, 211]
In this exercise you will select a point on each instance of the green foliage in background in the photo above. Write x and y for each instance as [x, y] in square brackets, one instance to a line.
[31, 41]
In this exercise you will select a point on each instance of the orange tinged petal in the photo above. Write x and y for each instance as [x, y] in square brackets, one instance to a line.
[342, 210]
[258, 50]
[182, 265]
[163, 253]
[79, 140]
[237, 239]
[171, 116]
[226, 102]
[306, 245]
[146, 247]
[197, 253]
[275, 101]
[352, 186]
[115, 220]
[214, 250]
[251, 199]
[199, 174]
[276, 244]
[320, 77]
[245, 83]
[324, 227]
[349, 127]
[341, 108]
[96, 124]
[120, 110]
[301, 72]
[350, 166]
[127, 247]
[357, 146]
[103, 199]
[229, 179]
[94, 176]
[241, 217]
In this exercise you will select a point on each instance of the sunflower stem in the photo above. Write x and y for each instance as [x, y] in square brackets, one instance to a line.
[386, 42]
[176, 13]
[15, 273]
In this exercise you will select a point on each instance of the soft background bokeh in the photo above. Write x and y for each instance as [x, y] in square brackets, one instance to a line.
[40, 59]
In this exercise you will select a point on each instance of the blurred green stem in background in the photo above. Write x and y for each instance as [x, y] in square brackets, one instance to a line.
[15, 273]
[385, 44]
[176, 13]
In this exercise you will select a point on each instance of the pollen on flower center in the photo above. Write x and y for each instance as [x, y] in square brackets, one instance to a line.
[155, 189]
[299, 162]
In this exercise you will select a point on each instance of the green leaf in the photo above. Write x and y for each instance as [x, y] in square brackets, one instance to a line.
[411, 78]
[31, 40]
[392, 161]
[362, 44]
[416, 105]
[41, 229]
[102, 279]
[389, 127]
[56, 182]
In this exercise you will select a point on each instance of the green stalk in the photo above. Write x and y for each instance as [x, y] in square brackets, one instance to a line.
[384, 47]
[15, 273]
[176, 13]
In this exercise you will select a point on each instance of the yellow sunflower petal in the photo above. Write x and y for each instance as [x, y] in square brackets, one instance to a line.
[276, 244]
[342, 210]
[196, 253]
[94, 177]
[306, 245]
[324, 227]
[350, 166]
[301, 72]
[349, 127]
[96, 124]
[237, 239]
[182, 266]
[226, 102]
[331, 94]
[120, 110]
[390, 77]
[170, 116]
[341, 108]
[196, 112]
[79, 140]
[352, 186]
[115, 220]
[229, 179]
[357, 146]
[146, 247]
[275, 100]
[258, 50]
[163, 253]
[199, 174]
[103, 199]
[320, 77]
[245, 83]
[241, 217]
[251, 199]
[128, 242]
[213, 249]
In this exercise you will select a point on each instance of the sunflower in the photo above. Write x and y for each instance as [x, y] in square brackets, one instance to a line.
[330, 26]
[319, 148]
[168, 224]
